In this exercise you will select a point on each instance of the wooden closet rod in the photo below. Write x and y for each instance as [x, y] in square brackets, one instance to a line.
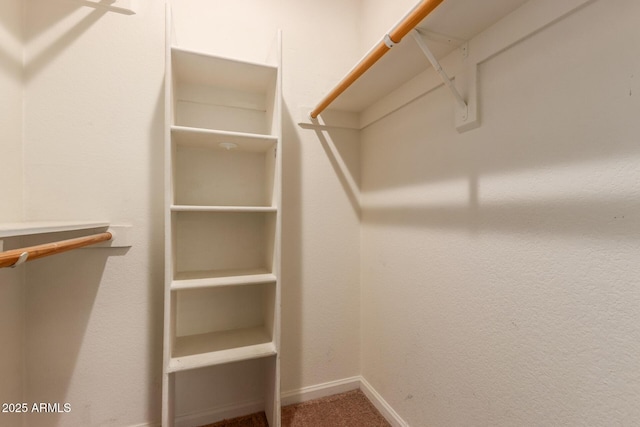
[10, 258]
[408, 23]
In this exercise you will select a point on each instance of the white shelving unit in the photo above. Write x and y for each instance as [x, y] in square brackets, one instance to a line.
[223, 219]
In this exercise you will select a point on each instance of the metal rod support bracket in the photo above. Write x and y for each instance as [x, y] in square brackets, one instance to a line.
[21, 259]
[438, 68]
[387, 40]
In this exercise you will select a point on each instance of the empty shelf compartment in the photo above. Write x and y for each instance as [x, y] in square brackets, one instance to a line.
[207, 174]
[221, 325]
[221, 242]
[221, 93]
[219, 348]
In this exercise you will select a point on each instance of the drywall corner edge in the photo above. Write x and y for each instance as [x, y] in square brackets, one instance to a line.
[341, 386]
[381, 405]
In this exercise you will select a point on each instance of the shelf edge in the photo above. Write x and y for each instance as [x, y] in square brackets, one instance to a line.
[222, 357]
[215, 282]
[227, 133]
[27, 228]
[204, 208]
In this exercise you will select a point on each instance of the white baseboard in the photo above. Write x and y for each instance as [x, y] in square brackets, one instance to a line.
[320, 390]
[381, 405]
[288, 398]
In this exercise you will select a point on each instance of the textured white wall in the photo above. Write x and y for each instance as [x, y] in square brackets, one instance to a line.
[512, 303]
[93, 150]
[500, 266]
[11, 68]
[320, 287]
[11, 281]
[379, 16]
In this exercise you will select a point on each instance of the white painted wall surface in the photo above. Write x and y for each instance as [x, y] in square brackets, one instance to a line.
[11, 70]
[11, 280]
[92, 144]
[377, 17]
[320, 285]
[500, 266]
[93, 150]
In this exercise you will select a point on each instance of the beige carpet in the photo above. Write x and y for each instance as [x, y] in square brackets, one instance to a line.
[350, 409]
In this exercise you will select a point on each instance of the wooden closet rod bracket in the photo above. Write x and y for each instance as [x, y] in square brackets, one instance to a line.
[16, 257]
[395, 36]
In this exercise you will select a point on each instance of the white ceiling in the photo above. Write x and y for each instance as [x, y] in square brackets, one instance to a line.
[457, 19]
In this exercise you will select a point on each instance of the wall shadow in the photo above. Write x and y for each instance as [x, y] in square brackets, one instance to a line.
[11, 61]
[346, 167]
[604, 218]
[291, 280]
[62, 10]
[156, 253]
[11, 66]
[60, 296]
[39, 23]
[38, 62]
[507, 166]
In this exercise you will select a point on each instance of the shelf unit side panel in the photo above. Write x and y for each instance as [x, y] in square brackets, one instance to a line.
[272, 389]
[271, 104]
[269, 304]
[271, 240]
[270, 186]
[277, 194]
[272, 395]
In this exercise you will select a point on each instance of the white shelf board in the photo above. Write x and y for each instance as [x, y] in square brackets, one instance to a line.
[210, 70]
[211, 138]
[192, 208]
[13, 229]
[217, 348]
[220, 278]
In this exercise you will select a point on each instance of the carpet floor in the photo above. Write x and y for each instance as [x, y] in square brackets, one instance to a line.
[350, 409]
